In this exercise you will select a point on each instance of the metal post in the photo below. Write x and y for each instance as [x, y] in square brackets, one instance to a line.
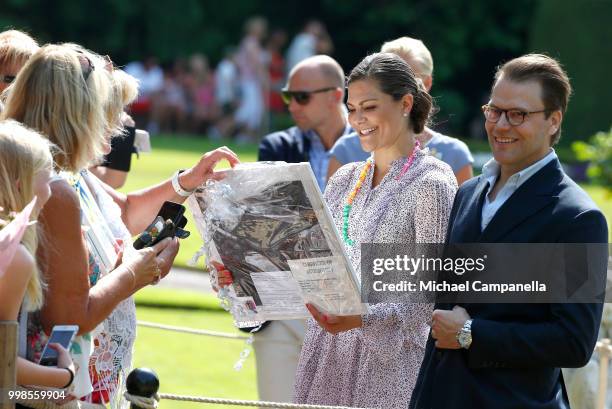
[142, 382]
[603, 348]
[8, 358]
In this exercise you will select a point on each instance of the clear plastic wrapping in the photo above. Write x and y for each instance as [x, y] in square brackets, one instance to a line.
[268, 225]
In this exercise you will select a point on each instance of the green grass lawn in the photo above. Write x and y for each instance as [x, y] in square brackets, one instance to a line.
[191, 364]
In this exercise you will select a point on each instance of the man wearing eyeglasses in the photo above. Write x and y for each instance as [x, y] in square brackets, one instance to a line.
[314, 95]
[510, 355]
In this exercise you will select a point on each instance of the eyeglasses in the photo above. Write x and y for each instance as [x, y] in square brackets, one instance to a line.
[7, 79]
[301, 97]
[515, 117]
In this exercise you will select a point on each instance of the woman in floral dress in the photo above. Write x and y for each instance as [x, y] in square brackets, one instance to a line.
[400, 195]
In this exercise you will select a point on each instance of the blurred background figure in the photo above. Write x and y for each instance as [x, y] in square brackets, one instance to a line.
[151, 79]
[200, 87]
[314, 39]
[276, 69]
[169, 105]
[227, 94]
[253, 80]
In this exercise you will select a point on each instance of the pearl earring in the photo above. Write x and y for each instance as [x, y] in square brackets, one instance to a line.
[405, 114]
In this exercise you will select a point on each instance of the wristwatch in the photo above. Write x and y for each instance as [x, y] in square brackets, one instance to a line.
[464, 335]
[177, 186]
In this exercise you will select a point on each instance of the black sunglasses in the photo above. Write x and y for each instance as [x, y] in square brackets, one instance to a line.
[301, 97]
[7, 79]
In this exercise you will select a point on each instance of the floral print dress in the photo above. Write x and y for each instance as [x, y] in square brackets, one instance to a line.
[376, 365]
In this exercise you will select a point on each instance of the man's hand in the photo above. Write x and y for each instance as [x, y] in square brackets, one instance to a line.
[333, 323]
[446, 324]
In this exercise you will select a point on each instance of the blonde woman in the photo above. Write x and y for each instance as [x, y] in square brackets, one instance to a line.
[72, 113]
[16, 47]
[25, 173]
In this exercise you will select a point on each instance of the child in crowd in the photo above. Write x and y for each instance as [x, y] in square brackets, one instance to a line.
[26, 166]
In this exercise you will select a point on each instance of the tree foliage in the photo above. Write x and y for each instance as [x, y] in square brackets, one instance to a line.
[579, 34]
[467, 39]
[598, 152]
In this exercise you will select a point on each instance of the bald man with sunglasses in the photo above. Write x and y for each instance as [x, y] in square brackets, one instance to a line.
[314, 95]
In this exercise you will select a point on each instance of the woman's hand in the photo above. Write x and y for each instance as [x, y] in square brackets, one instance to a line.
[204, 169]
[63, 357]
[224, 276]
[332, 323]
[151, 264]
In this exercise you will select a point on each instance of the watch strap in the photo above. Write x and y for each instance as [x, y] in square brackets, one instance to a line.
[177, 186]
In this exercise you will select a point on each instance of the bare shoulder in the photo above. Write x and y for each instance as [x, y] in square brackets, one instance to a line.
[63, 203]
[23, 264]
[62, 213]
[62, 194]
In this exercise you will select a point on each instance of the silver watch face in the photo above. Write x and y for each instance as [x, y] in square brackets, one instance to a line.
[464, 338]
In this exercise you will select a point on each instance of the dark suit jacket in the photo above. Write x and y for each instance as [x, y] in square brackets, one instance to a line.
[517, 349]
[288, 145]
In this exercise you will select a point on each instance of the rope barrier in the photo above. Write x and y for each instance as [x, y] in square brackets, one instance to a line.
[191, 330]
[603, 347]
[151, 403]
[605, 351]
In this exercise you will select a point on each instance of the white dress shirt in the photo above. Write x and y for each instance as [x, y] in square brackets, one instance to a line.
[490, 172]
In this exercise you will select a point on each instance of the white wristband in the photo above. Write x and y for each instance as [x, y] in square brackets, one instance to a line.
[177, 186]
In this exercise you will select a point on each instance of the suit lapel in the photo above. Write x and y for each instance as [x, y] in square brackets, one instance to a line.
[528, 199]
[466, 226]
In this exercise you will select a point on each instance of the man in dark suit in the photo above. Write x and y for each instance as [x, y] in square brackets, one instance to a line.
[315, 96]
[510, 355]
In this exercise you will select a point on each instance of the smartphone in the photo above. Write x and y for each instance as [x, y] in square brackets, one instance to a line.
[61, 334]
[169, 222]
[172, 211]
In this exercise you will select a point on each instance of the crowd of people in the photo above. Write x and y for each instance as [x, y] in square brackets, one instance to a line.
[387, 177]
[236, 98]
[60, 111]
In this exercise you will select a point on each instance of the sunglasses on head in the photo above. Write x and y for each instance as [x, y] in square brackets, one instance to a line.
[301, 97]
[86, 65]
[109, 65]
[7, 79]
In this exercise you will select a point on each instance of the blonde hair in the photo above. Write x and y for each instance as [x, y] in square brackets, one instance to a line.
[61, 93]
[23, 154]
[16, 48]
[123, 91]
[412, 51]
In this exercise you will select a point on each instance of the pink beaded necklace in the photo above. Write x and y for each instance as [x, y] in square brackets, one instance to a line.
[346, 211]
